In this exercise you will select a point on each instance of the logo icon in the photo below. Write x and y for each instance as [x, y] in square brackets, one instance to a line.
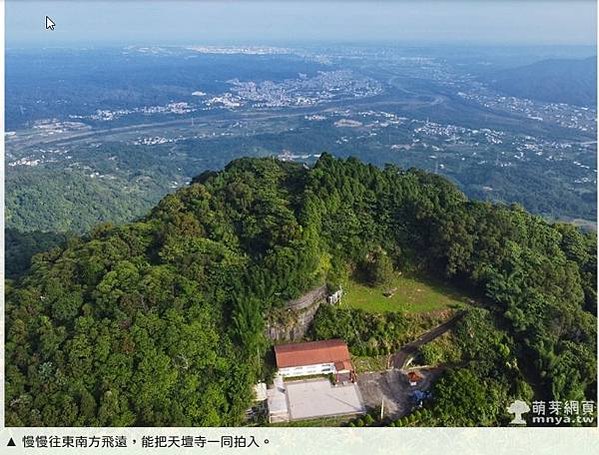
[518, 407]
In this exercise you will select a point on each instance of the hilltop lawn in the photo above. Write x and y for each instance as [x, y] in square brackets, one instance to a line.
[413, 295]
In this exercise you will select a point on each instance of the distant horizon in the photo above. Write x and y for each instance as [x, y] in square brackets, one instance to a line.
[544, 51]
[456, 23]
[298, 43]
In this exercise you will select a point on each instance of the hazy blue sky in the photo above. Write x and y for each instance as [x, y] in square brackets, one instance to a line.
[172, 21]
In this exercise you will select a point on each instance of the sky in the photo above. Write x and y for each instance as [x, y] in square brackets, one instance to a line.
[84, 23]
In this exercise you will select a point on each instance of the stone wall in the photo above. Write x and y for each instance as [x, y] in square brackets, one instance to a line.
[291, 322]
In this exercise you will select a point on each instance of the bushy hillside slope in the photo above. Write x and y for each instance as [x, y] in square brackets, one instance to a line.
[160, 322]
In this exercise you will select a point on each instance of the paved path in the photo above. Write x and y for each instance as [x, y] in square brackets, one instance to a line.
[409, 350]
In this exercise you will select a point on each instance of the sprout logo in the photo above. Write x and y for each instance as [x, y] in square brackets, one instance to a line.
[518, 408]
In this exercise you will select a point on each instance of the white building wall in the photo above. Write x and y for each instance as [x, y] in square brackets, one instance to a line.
[307, 370]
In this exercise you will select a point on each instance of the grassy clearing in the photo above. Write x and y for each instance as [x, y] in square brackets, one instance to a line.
[413, 295]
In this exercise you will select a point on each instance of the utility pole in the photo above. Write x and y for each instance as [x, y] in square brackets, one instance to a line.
[382, 407]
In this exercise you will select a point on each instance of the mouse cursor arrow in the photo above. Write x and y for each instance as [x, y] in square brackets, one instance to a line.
[49, 24]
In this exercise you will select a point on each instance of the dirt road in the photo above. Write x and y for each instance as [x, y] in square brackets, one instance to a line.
[409, 350]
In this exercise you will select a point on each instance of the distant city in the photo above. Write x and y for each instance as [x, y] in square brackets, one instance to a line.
[411, 107]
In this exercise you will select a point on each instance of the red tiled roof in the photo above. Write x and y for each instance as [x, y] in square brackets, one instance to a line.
[345, 365]
[313, 352]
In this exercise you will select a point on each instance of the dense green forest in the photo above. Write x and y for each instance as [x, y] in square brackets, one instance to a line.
[70, 201]
[160, 321]
[20, 247]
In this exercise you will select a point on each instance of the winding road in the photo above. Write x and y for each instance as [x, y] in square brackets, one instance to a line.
[409, 350]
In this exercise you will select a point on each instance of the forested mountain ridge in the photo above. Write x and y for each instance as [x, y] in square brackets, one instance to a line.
[572, 81]
[160, 321]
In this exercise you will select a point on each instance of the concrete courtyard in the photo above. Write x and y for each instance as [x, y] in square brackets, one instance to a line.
[319, 398]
